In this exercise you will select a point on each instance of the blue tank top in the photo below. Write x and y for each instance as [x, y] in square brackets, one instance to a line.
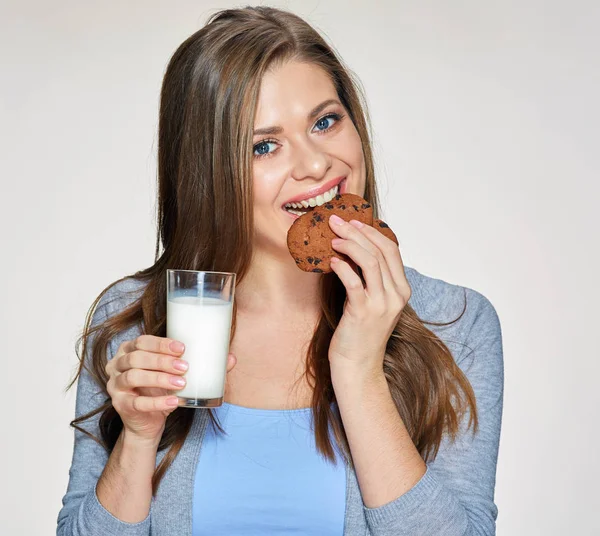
[266, 477]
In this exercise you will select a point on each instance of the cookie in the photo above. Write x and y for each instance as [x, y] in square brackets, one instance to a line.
[385, 230]
[309, 238]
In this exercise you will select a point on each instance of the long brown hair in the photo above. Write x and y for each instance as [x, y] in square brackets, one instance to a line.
[208, 101]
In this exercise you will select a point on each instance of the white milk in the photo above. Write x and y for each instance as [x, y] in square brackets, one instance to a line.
[203, 325]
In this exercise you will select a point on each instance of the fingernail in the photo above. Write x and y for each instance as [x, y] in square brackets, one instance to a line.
[336, 219]
[333, 260]
[357, 224]
[173, 401]
[178, 381]
[179, 364]
[177, 346]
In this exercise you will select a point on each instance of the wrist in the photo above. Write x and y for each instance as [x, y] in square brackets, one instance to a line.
[132, 440]
[355, 375]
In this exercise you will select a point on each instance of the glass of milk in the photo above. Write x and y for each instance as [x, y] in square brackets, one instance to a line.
[199, 309]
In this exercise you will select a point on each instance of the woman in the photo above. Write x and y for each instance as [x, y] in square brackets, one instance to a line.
[343, 413]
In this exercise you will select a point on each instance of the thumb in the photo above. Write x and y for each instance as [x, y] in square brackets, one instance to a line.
[231, 361]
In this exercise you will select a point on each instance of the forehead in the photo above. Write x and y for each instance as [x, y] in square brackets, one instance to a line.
[291, 91]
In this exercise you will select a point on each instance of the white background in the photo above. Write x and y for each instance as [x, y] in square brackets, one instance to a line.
[486, 118]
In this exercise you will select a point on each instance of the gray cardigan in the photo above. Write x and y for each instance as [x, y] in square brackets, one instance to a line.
[454, 497]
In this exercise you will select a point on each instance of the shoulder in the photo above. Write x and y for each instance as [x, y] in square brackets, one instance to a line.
[115, 298]
[436, 300]
[119, 295]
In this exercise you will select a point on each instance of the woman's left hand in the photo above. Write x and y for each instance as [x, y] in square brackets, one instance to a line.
[372, 310]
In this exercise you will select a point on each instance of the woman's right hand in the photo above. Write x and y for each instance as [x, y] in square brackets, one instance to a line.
[141, 387]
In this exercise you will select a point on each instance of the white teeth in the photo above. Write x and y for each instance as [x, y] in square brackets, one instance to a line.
[313, 201]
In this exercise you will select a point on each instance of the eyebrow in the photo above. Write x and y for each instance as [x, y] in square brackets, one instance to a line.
[313, 113]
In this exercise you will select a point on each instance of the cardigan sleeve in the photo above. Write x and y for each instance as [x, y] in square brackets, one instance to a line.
[82, 513]
[455, 496]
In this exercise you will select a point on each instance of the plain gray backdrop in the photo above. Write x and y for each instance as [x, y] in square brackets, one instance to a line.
[486, 121]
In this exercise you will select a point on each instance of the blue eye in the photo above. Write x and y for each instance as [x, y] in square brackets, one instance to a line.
[263, 146]
[323, 120]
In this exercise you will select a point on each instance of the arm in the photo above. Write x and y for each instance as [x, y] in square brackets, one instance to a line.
[83, 514]
[455, 495]
[125, 487]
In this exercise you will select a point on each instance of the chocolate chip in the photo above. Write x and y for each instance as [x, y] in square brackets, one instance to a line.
[338, 196]
[328, 206]
[383, 224]
[306, 242]
[366, 205]
[318, 270]
[298, 261]
[317, 261]
[355, 207]
[310, 260]
[343, 207]
[317, 217]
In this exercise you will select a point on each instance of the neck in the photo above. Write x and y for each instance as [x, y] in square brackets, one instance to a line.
[276, 286]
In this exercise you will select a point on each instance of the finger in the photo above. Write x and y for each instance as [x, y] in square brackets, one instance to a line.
[159, 345]
[124, 347]
[369, 264]
[350, 231]
[375, 247]
[386, 275]
[148, 343]
[351, 280]
[141, 359]
[132, 378]
[389, 250]
[146, 404]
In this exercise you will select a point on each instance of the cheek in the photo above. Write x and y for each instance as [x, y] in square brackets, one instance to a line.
[265, 186]
[351, 149]
[355, 158]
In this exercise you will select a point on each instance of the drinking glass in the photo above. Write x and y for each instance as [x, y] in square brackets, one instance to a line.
[199, 309]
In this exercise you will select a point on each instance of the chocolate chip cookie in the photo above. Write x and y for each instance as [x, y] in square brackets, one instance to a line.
[309, 238]
[385, 230]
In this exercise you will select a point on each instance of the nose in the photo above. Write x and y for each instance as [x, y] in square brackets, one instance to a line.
[311, 162]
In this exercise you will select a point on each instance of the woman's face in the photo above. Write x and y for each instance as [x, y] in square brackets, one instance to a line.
[307, 157]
